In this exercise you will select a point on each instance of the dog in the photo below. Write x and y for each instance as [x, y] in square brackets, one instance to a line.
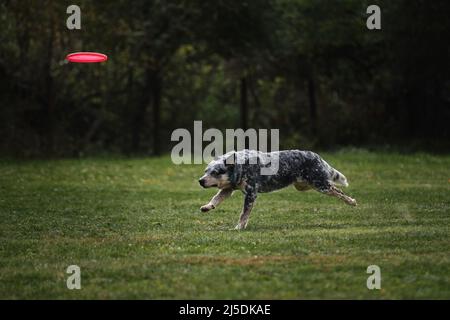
[242, 170]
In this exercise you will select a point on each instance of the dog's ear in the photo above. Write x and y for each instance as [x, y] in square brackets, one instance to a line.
[234, 169]
[230, 159]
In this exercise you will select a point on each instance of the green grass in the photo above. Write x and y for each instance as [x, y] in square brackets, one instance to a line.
[135, 229]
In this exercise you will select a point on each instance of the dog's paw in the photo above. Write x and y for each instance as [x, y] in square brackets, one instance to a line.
[206, 207]
[240, 226]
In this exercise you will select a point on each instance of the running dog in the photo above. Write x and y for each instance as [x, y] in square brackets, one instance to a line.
[242, 170]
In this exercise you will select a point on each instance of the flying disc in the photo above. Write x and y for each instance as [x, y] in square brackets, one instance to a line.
[86, 57]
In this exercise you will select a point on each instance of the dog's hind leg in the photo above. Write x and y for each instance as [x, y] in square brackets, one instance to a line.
[324, 186]
[217, 199]
[335, 192]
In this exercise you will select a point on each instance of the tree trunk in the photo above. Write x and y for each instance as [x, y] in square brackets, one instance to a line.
[139, 117]
[156, 89]
[152, 95]
[49, 108]
[244, 103]
[312, 103]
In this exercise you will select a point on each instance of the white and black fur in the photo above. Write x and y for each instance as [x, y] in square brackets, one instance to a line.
[242, 170]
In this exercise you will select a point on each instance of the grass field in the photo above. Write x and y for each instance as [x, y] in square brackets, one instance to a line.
[135, 229]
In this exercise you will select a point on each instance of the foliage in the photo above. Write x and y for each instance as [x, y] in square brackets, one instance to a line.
[310, 68]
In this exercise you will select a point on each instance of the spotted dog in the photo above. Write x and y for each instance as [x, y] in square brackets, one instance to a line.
[242, 170]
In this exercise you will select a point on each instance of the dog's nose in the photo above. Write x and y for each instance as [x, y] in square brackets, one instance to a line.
[202, 182]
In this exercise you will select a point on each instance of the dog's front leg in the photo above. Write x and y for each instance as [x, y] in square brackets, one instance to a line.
[217, 199]
[250, 197]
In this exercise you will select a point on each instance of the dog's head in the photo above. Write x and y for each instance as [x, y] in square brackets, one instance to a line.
[218, 173]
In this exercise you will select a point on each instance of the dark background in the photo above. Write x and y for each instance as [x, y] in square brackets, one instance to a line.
[308, 67]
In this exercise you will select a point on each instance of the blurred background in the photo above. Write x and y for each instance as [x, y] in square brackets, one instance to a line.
[308, 67]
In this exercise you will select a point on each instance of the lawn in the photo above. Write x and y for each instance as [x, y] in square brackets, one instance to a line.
[134, 228]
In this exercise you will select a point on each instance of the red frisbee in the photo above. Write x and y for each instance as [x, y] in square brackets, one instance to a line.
[86, 57]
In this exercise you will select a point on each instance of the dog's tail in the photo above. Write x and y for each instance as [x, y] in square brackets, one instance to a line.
[338, 178]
